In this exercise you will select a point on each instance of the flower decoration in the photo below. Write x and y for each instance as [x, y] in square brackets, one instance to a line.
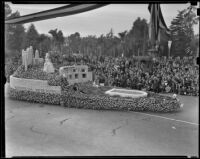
[174, 96]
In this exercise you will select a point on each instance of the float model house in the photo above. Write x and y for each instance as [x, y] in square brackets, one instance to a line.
[76, 74]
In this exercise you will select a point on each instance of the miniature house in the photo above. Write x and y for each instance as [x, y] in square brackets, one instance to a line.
[76, 74]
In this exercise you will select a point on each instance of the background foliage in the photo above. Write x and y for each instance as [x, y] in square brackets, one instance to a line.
[128, 43]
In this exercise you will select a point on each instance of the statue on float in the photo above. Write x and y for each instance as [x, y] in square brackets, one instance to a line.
[37, 54]
[48, 66]
[37, 60]
[27, 57]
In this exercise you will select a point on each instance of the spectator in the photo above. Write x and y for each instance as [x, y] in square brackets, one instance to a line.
[172, 75]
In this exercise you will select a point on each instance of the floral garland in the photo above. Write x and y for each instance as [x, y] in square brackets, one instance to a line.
[35, 97]
[154, 102]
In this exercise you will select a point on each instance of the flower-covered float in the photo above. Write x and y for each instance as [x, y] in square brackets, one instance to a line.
[72, 86]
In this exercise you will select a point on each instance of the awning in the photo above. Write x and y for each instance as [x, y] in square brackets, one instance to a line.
[53, 13]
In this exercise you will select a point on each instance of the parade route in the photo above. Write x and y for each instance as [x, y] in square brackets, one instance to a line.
[49, 130]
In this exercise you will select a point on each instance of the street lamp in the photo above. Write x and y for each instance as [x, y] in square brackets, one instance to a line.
[169, 46]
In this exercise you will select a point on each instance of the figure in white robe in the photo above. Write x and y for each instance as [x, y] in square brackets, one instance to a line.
[48, 66]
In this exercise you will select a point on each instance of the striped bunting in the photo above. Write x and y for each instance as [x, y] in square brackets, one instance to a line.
[53, 13]
[156, 22]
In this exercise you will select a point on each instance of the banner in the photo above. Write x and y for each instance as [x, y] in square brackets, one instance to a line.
[156, 23]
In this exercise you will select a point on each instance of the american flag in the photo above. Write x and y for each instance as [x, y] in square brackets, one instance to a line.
[156, 23]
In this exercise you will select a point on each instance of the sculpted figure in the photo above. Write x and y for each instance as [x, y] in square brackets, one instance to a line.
[48, 66]
[37, 54]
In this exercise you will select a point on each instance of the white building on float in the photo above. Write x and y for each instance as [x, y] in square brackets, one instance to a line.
[76, 73]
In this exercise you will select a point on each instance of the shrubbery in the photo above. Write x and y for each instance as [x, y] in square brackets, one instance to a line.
[64, 83]
[9, 70]
[153, 103]
[77, 99]
[33, 72]
[36, 72]
[54, 80]
[11, 66]
[56, 57]
[37, 97]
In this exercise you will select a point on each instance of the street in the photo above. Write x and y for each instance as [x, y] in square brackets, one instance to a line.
[48, 130]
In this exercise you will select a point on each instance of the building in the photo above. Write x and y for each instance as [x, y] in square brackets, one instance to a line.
[76, 73]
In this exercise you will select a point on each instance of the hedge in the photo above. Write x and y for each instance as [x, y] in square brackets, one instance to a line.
[54, 80]
[10, 68]
[36, 97]
[153, 103]
[35, 72]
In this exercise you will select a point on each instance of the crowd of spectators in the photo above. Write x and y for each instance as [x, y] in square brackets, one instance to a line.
[174, 75]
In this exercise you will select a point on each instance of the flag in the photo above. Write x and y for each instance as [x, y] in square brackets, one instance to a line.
[53, 13]
[157, 23]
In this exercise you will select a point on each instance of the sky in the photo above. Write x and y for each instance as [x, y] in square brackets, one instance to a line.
[119, 17]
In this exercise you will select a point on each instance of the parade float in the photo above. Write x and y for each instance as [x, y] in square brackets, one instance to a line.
[36, 80]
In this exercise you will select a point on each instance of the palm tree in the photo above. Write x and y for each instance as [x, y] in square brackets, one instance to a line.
[44, 42]
[101, 43]
[75, 42]
[122, 36]
[58, 39]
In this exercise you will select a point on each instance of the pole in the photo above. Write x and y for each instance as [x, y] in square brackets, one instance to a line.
[169, 46]
[138, 51]
[168, 53]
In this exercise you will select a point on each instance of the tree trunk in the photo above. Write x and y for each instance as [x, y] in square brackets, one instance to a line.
[138, 51]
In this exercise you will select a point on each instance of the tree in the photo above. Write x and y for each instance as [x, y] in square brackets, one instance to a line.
[54, 38]
[44, 44]
[195, 45]
[138, 35]
[122, 36]
[8, 11]
[58, 39]
[101, 44]
[14, 34]
[182, 31]
[74, 42]
[164, 38]
[31, 38]
[108, 44]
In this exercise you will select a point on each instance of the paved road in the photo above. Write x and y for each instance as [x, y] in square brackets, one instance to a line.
[45, 130]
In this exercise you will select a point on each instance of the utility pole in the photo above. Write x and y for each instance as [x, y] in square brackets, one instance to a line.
[169, 47]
